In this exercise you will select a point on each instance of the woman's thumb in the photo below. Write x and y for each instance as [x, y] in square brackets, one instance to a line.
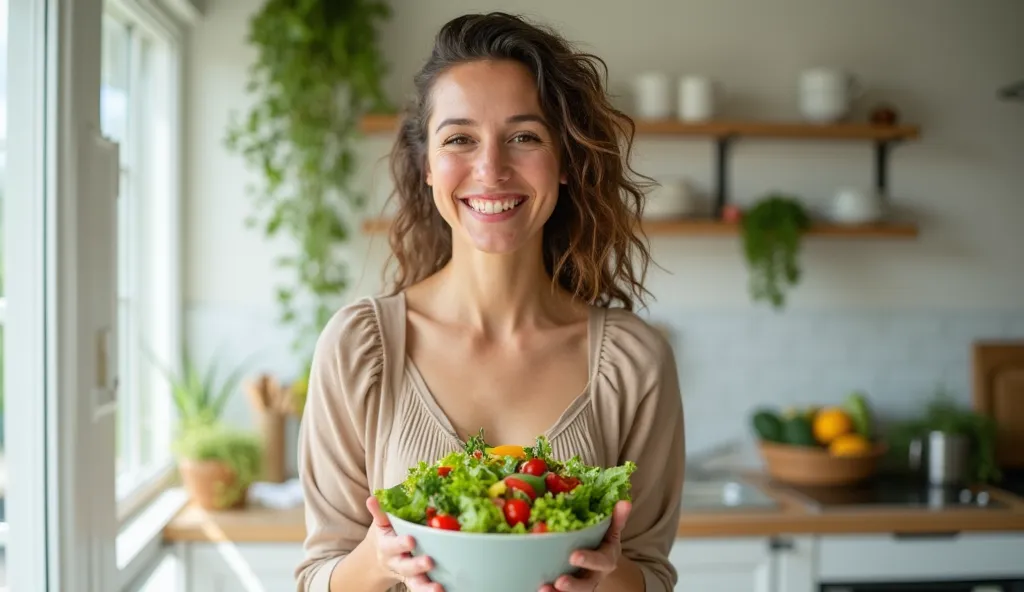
[378, 515]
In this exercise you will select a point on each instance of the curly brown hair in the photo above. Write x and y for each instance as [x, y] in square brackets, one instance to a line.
[591, 245]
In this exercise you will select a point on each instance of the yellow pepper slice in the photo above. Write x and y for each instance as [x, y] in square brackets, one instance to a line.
[497, 489]
[508, 450]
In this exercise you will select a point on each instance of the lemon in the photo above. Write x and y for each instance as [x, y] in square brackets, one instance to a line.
[849, 445]
[830, 423]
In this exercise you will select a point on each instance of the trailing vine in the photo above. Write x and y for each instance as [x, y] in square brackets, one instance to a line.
[318, 71]
[772, 233]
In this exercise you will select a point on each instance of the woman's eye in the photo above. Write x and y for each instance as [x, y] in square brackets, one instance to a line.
[456, 140]
[525, 137]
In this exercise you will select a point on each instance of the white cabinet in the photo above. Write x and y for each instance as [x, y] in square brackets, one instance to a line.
[748, 564]
[242, 567]
[843, 558]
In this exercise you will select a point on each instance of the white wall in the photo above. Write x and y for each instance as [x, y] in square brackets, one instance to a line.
[899, 315]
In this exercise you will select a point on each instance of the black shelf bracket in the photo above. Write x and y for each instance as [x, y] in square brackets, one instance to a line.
[883, 148]
[722, 145]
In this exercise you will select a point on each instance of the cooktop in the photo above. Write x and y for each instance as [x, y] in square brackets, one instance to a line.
[898, 493]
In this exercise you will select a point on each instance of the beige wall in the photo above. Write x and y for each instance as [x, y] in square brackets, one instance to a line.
[940, 61]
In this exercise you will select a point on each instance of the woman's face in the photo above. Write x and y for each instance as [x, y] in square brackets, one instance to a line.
[492, 161]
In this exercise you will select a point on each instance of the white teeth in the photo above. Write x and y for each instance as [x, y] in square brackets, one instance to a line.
[487, 206]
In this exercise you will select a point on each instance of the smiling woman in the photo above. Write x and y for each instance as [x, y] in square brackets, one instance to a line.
[511, 312]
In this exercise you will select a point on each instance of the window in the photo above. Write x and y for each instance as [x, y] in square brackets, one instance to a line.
[137, 110]
[3, 302]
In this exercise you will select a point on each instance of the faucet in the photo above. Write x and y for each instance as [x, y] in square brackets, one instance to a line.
[698, 465]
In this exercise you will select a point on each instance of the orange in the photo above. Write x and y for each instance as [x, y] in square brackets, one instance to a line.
[830, 423]
[849, 445]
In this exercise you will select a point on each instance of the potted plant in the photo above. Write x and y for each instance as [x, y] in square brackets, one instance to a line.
[317, 72]
[217, 463]
[772, 231]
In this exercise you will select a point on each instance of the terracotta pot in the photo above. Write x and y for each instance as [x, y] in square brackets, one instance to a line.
[207, 481]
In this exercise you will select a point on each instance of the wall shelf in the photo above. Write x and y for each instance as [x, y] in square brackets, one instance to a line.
[724, 133]
[711, 227]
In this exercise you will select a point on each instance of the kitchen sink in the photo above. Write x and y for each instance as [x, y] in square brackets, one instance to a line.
[723, 494]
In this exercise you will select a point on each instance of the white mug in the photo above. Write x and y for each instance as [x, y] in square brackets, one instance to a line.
[826, 94]
[696, 98]
[652, 95]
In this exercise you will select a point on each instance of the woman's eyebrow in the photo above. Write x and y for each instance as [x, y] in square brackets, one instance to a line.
[523, 117]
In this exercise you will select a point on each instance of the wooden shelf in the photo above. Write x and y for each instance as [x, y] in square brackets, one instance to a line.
[710, 227]
[377, 124]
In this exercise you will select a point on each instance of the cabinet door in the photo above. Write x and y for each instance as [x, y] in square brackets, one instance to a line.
[724, 565]
[794, 564]
[255, 567]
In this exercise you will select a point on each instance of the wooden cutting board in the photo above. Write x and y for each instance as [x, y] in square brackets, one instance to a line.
[998, 368]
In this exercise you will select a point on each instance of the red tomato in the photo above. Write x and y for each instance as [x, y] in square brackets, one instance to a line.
[431, 512]
[558, 484]
[516, 511]
[444, 522]
[477, 454]
[443, 471]
[523, 486]
[539, 527]
[534, 466]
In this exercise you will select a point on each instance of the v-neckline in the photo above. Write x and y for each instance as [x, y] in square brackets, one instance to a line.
[595, 334]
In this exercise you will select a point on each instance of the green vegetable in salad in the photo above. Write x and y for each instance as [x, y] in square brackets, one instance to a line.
[507, 489]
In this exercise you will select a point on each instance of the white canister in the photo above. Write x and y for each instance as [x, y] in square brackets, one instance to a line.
[652, 95]
[696, 98]
[826, 94]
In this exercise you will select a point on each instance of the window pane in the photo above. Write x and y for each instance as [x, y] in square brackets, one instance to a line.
[3, 180]
[114, 76]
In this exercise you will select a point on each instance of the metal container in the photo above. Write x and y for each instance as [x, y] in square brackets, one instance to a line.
[943, 458]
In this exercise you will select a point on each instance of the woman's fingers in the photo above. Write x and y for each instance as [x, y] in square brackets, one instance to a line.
[422, 584]
[585, 583]
[593, 560]
[409, 567]
[395, 545]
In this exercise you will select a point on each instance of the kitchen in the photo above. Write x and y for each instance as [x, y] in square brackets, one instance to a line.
[894, 314]
[892, 126]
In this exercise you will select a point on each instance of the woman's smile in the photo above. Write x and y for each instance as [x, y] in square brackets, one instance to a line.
[493, 207]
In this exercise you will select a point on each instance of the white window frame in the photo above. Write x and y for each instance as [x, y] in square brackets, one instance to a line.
[155, 183]
[145, 507]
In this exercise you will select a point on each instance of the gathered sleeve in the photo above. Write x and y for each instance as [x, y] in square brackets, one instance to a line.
[336, 437]
[647, 427]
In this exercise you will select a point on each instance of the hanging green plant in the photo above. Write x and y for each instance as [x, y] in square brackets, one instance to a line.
[772, 233]
[318, 70]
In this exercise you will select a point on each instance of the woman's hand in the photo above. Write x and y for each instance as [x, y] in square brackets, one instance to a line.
[599, 564]
[394, 553]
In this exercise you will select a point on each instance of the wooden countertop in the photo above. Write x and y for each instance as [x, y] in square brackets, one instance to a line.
[793, 516]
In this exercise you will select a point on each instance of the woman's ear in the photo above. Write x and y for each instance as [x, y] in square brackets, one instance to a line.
[564, 179]
[429, 177]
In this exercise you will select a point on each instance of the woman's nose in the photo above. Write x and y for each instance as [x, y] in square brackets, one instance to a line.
[492, 167]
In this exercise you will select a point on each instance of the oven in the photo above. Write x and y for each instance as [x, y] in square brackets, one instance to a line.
[1015, 585]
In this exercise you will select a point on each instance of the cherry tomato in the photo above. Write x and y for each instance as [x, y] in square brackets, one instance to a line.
[523, 486]
[558, 484]
[443, 471]
[477, 454]
[539, 527]
[534, 466]
[516, 511]
[431, 512]
[444, 522]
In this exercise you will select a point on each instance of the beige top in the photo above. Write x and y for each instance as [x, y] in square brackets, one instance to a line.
[369, 417]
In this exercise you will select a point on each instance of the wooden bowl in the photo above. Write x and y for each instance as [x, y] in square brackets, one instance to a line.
[808, 465]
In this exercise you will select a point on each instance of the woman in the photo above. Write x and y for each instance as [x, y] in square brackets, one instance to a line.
[513, 241]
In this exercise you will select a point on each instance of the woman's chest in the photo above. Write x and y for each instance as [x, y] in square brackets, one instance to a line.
[418, 436]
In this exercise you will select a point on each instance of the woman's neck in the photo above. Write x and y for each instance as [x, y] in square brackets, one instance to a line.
[498, 294]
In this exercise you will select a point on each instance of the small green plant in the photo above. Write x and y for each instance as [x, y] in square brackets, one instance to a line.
[944, 414]
[198, 395]
[772, 233]
[239, 450]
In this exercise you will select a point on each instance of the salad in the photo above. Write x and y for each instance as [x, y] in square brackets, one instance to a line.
[507, 489]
